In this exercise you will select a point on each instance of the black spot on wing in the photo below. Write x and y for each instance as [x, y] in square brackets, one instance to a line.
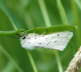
[24, 37]
[39, 43]
[55, 41]
[58, 34]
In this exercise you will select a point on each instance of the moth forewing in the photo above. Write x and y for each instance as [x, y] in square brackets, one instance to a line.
[57, 41]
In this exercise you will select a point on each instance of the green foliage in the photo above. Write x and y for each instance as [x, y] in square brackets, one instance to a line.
[38, 16]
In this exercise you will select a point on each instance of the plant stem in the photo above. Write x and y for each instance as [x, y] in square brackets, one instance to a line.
[9, 67]
[76, 17]
[10, 18]
[48, 24]
[78, 3]
[15, 21]
[44, 12]
[11, 59]
[32, 61]
[62, 12]
[75, 64]
[7, 32]
[17, 27]
[59, 62]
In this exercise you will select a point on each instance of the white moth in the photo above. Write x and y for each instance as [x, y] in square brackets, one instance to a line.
[56, 41]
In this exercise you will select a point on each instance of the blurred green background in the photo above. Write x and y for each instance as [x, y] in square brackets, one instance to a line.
[19, 15]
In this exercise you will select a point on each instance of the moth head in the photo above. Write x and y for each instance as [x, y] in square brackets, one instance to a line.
[26, 42]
